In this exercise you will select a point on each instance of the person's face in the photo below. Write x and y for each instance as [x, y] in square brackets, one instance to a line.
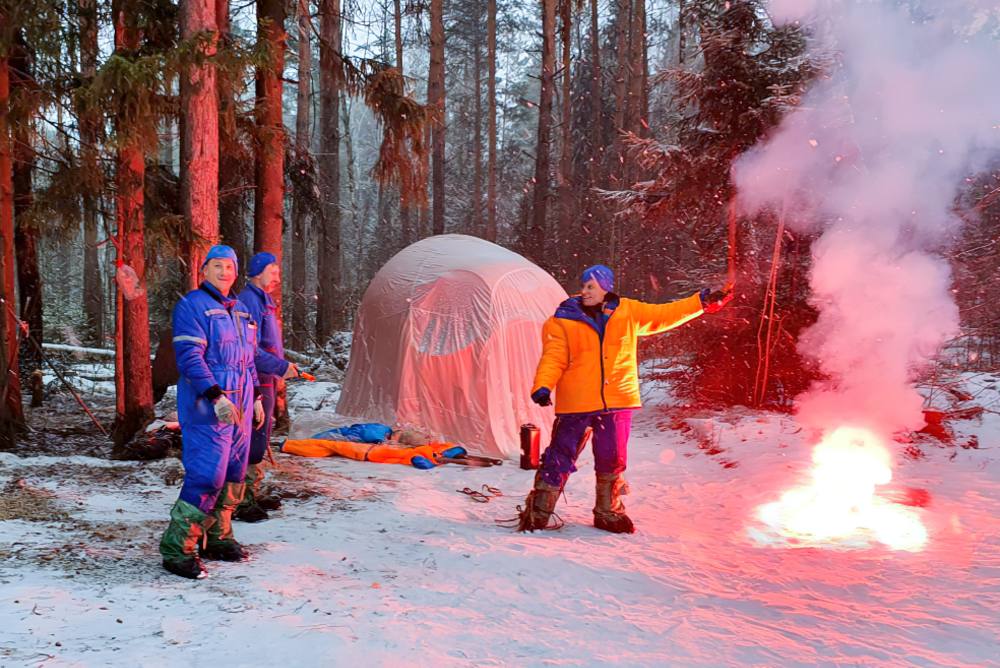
[592, 293]
[269, 279]
[221, 273]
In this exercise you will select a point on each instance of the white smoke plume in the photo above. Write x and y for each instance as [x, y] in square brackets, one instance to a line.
[875, 156]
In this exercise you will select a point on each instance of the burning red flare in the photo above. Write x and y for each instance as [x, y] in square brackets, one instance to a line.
[840, 502]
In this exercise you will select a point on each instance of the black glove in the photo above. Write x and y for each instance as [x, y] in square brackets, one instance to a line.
[542, 396]
[713, 301]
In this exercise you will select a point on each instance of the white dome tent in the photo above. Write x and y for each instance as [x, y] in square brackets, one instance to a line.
[447, 338]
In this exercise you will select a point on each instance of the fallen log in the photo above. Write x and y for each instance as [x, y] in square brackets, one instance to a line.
[78, 350]
[81, 351]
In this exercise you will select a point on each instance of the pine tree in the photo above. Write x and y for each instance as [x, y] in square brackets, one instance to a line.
[751, 74]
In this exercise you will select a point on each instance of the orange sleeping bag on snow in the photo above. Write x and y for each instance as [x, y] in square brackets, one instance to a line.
[366, 452]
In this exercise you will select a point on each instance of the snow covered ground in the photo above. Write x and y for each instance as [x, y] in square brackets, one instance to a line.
[388, 565]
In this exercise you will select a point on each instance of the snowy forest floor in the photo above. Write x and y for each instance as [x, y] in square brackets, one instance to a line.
[371, 564]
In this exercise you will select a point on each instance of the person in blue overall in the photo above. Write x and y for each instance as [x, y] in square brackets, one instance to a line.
[265, 277]
[215, 340]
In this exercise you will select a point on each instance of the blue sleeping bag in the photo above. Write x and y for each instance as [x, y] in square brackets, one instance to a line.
[369, 432]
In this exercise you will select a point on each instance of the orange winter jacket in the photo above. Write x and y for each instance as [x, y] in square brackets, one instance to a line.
[590, 372]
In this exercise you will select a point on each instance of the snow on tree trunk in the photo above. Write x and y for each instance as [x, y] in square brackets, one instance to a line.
[200, 108]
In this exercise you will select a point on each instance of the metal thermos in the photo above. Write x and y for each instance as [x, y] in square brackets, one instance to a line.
[530, 438]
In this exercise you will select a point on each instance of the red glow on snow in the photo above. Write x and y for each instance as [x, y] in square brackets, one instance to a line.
[840, 501]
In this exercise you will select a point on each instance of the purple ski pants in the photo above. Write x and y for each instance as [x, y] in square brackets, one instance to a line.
[610, 431]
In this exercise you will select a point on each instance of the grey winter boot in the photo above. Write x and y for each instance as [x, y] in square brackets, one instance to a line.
[539, 507]
[609, 511]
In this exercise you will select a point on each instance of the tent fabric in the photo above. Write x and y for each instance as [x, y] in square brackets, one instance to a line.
[447, 338]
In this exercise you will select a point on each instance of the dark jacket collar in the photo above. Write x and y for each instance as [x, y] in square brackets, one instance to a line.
[213, 291]
[572, 309]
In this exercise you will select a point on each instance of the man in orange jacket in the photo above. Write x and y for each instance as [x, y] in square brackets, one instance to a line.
[589, 359]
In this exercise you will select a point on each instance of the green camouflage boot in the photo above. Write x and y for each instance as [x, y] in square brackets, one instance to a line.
[179, 545]
[539, 506]
[220, 543]
[609, 511]
[249, 509]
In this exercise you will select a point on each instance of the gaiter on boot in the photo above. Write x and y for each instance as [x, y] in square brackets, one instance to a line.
[179, 545]
[539, 507]
[609, 511]
[221, 544]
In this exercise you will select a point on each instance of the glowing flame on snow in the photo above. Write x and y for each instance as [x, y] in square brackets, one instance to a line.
[840, 502]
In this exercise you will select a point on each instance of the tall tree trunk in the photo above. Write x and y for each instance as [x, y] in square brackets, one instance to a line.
[597, 107]
[623, 20]
[566, 199]
[594, 206]
[269, 155]
[232, 172]
[330, 311]
[644, 128]
[29, 281]
[269, 196]
[136, 372]
[405, 214]
[477, 140]
[543, 148]
[436, 100]
[637, 100]
[93, 282]
[355, 224]
[300, 214]
[11, 413]
[681, 34]
[616, 157]
[491, 121]
[200, 108]
[424, 228]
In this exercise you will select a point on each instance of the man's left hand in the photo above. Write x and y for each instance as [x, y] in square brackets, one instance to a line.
[258, 413]
[713, 301]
